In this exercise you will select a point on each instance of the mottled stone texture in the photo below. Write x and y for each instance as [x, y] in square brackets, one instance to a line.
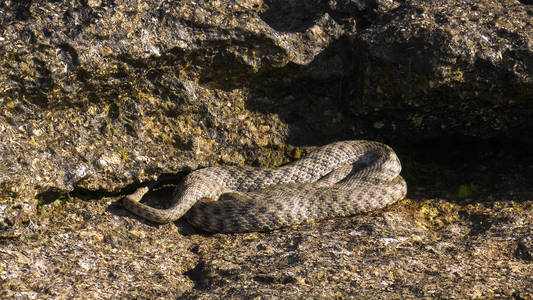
[99, 95]
[422, 249]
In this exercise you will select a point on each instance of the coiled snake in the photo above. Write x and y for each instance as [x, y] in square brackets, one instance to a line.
[339, 179]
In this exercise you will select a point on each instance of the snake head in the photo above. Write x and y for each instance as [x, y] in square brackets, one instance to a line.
[138, 194]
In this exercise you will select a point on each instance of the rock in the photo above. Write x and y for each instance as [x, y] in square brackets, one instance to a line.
[101, 95]
[410, 250]
[452, 67]
[97, 96]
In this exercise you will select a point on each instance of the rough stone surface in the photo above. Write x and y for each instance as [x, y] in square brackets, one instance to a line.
[443, 247]
[465, 231]
[97, 96]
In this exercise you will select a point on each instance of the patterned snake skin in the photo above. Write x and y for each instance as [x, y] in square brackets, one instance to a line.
[339, 179]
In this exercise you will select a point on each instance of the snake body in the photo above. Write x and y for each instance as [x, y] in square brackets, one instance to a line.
[339, 179]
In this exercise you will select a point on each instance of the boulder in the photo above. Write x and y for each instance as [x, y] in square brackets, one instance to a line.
[99, 96]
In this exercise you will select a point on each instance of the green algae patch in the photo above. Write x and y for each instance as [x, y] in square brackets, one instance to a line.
[417, 173]
[45, 209]
[10, 103]
[465, 191]
[123, 154]
[436, 213]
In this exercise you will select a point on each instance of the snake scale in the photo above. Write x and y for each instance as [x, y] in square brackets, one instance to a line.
[338, 179]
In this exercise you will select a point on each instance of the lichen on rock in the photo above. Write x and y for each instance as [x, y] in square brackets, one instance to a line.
[98, 96]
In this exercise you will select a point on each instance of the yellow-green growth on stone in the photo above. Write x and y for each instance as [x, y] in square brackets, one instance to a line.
[466, 190]
[45, 209]
[10, 103]
[123, 154]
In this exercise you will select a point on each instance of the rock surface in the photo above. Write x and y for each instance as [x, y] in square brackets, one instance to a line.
[97, 96]
[417, 248]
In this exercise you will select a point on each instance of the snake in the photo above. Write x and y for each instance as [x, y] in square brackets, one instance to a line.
[336, 180]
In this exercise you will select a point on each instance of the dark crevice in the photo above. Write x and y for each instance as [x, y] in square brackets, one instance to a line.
[457, 150]
[480, 223]
[200, 275]
[70, 54]
[524, 249]
[165, 183]
[22, 10]
[293, 16]
[298, 16]
[268, 279]
[465, 168]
